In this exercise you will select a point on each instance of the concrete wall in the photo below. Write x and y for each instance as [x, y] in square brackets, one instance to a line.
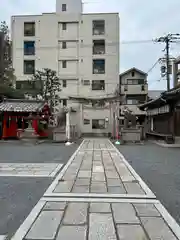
[72, 6]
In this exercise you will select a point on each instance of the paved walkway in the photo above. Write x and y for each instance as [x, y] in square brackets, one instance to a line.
[98, 195]
[29, 169]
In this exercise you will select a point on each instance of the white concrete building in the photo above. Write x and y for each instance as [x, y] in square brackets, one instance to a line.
[82, 48]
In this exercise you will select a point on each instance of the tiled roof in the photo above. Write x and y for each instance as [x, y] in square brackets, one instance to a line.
[21, 106]
[133, 69]
[172, 94]
[153, 94]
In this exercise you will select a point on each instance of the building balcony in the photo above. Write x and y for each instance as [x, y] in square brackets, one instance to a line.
[98, 47]
[134, 89]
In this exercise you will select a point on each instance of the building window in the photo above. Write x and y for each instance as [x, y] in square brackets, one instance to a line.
[64, 102]
[64, 83]
[64, 64]
[99, 66]
[142, 88]
[64, 45]
[86, 121]
[141, 81]
[29, 29]
[64, 9]
[29, 47]
[98, 46]
[131, 101]
[125, 88]
[98, 27]
[29, 66]
[98, 124]
[132, 81]
[132, 74]
[98, 85]
[64, 26]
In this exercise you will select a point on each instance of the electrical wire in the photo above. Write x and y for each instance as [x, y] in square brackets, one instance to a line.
[153, 66]
[82, 45]
[106, 83]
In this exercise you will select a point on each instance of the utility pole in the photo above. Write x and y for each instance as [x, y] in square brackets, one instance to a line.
[170, 38]
[167, 63]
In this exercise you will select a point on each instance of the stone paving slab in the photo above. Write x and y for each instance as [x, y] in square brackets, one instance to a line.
[98, 168]
[90, 220]
[98, 196]
[29, 169]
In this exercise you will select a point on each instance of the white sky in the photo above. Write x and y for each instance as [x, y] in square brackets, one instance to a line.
[139, 20]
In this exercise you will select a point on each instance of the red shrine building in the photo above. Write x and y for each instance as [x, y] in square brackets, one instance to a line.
[18, 115]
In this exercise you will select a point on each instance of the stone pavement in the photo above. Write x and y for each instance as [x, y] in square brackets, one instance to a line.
[98, 195]
[29, 169]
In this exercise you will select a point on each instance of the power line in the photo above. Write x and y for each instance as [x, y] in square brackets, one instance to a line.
[110, 83]
[82, 45]
[153, 66]
[137, 41]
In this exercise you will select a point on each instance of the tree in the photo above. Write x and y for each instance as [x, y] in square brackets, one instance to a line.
[46, 84]
[8, 78]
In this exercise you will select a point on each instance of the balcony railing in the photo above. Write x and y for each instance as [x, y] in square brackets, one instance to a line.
[99, 50]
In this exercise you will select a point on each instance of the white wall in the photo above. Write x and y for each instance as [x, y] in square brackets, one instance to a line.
[71, 32]
[95, 114]
[71, 69]
[72, 6]
[71, 52]
[111, 56]
[71, 87]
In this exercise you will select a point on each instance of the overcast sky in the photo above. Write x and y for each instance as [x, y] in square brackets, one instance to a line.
[139, 20]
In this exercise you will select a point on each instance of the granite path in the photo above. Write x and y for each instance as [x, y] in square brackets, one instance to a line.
[98, 195]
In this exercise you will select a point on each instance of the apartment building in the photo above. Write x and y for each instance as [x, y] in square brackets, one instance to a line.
[82, 48]
[133, 91]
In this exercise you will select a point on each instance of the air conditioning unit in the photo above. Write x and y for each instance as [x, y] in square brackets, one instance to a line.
[85, 82]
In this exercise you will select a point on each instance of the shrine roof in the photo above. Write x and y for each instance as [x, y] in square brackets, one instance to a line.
[17, 105]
